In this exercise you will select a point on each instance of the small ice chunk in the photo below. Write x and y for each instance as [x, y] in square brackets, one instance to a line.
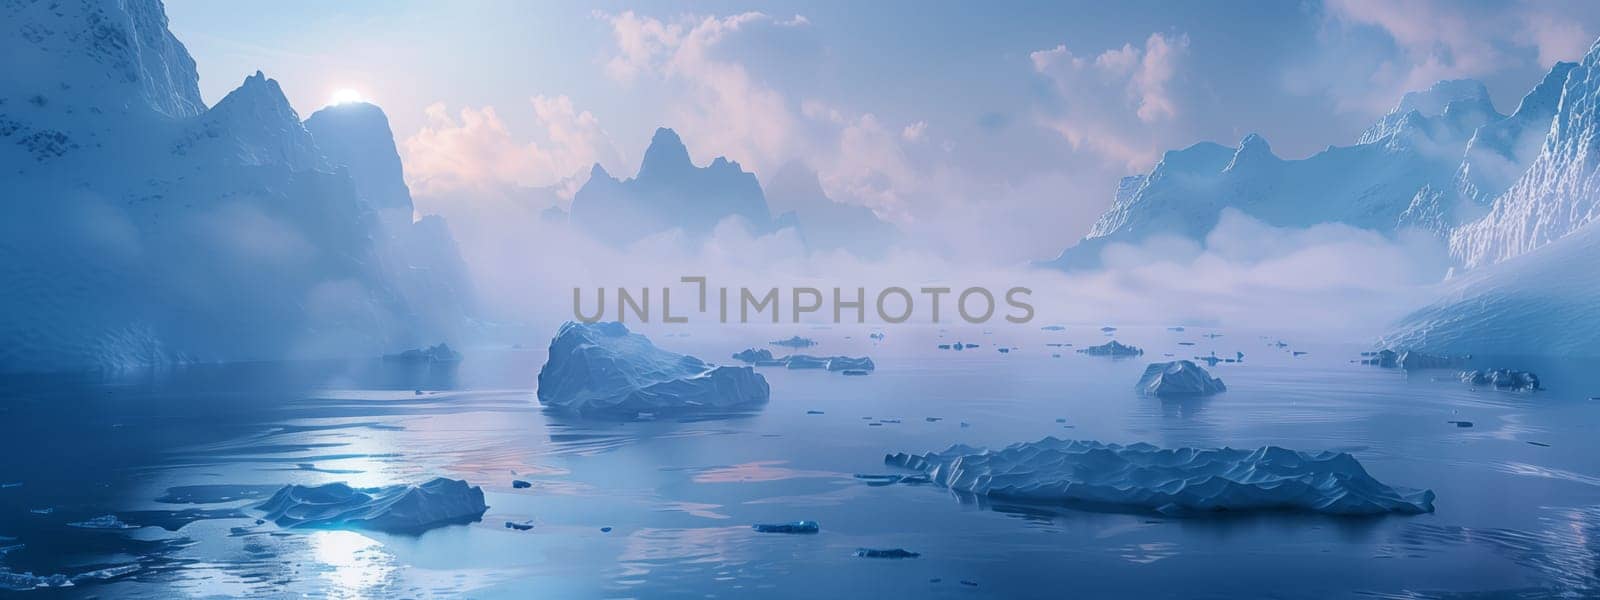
[795, 342]
[1178, 378]
[794, 527]
[106, 573]
[886, 553]
[101, 522]
[520, 484]
[1505, 379]
[520, 525]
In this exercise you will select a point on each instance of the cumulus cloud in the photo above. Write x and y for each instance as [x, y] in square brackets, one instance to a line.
[722, 106]
[1426, 41]
[1110, 100]
[473, 148]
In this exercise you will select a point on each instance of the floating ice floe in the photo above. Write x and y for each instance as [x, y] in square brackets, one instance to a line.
[753, 355]
[796, 342]
[440, 353]
[1506, 379]
[602, 369]
[764, 358]
[1178, 378]
[1111, 348]
[1183, 481]
[1054, 328]
[1410, 360]
[402, 508]
[886, 553]
[101, 522]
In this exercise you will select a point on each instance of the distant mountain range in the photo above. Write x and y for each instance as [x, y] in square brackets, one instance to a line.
[143, 227]
[1498, 188]
[670, 193]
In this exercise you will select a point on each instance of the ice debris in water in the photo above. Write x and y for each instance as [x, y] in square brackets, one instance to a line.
[1182, 481]
[796, 342]
[101, 522]
[1506, 379]
[1178, 378]
[601, 368]
[520, 484]
[764, 357]
[1112, 348]
[401, 508]
[886, 553]
[519, 525]
[440, 353]
[1409, 360]
[795, 527]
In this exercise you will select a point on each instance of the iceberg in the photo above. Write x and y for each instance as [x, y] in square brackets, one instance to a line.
[401, 508]
[1502, 378]
[1111, 348]
[753, 355]
[796, 342]
[846, 363]
[806, 361]
[602, 368]
[101, 522]
[440, 353]
[1178, 482]
[1410, 360]
[1178, 378]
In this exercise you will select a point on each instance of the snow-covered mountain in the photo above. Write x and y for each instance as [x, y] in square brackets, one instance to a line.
[1402, 172]
[143, 228]
[1559, 192]
[1532, 287]
[669, 193]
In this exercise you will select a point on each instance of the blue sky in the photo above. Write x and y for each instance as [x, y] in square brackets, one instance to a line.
[944, 117]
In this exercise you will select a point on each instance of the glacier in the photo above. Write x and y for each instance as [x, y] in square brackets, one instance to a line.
[400, 508]
[603, 369]
[1178, 482]
[1178, 378]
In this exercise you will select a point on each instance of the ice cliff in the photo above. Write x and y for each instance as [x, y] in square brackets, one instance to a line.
[145, 228]
[603, 369]
[1181, 481]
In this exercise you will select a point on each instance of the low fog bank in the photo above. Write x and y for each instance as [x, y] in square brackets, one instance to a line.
[1344, 283]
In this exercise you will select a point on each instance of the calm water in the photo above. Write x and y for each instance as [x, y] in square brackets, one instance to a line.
[1513, 519]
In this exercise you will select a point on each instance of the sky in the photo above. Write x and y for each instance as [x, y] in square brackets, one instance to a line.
[946, 118]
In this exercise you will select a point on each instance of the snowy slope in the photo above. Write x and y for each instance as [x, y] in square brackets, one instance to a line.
[1542, 303]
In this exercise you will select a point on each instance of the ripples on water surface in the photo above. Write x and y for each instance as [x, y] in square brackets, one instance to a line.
[182, 453]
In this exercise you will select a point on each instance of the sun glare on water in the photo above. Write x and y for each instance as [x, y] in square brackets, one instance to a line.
[344, 96]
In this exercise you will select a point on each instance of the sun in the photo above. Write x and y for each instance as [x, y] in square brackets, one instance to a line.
[344, 96]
